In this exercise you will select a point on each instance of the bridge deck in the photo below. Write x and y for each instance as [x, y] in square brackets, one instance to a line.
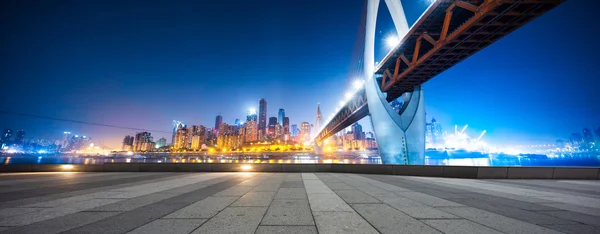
[448, 32]
[432, 47]
[291, 203]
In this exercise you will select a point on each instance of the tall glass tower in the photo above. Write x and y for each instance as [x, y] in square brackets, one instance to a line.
[280, 116]
[262, 116]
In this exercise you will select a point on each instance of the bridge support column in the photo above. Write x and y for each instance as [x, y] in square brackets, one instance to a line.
[319, 149]
[400, 137]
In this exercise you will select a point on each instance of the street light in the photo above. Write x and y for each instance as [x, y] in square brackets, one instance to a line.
[348, 95]
[357, 84]
[391, 41]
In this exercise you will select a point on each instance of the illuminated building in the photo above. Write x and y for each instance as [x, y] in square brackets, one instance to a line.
[229, 142]
[262, 118]
[588, 138]
[225, 132]
[272, 123]
[78, 142]
[286, 126]
[251, 115]
[196, 130]
[278, 131]
[128, 143]
[176, 125]
[196, 137]
[65, 140]
[6, 136]
[223, 129]
[318, 121]
[20, 138]
[295, 130]
[218, 122]
[211, 137]
[181, 139]
[233, 129]
[370, 143]
[197, 142]
[280, 116]
[143, 142]
[304, 131]
[250, 131]
[576, 140]
[357, 131]
[162, 142]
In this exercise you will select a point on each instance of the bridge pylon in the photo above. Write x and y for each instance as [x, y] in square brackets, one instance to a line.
[400, 136]
[319, 149]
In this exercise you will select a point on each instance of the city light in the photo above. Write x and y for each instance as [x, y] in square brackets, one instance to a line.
[357, 84]
[391, 41]
[66, 167]
[246, 167]
[252, 111]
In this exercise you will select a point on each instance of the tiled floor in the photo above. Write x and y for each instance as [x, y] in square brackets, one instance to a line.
[292, 203]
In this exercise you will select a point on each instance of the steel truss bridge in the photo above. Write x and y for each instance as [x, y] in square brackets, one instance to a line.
[448, 32]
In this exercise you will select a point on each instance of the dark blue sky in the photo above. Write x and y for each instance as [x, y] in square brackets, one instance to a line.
[145, 63]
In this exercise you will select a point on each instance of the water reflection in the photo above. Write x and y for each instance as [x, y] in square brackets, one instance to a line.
[352, 157]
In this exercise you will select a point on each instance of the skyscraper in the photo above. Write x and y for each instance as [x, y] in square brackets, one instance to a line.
[262, 117]
[250, 131]
[280, 116]
[319, 120]
[304, 131]
[286, 125]
[65, 140]
[272, 123]
[176, 125]
[357, 131]
[128, 143]
[237, 122]
[278, 131]
[181, 139]
[143, 142]
[218, 122]
[295, 130]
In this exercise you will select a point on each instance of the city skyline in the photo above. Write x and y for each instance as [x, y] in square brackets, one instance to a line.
[485, 88]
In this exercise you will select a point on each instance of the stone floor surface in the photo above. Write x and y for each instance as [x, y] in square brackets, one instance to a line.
[292, 203]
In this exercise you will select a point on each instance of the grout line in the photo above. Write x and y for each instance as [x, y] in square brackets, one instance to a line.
[254, 176]
[268, 207]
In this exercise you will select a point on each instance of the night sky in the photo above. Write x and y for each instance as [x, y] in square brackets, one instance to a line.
[145, 63]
